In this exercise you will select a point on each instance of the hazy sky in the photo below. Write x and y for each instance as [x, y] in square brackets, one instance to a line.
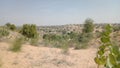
[57, 12]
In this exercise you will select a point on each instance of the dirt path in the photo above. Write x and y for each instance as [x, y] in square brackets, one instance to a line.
[43, 57]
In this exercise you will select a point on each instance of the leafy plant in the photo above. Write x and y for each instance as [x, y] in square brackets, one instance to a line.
[29, 30]
[108, 54]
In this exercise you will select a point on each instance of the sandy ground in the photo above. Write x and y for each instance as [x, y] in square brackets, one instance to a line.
[44, 57]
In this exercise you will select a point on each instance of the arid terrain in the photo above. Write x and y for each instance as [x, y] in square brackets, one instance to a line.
[52, 46]
[44, 57]
[59, 34]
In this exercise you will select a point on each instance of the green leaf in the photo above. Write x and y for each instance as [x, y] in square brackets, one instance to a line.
[106, 33]
[118, 65]
[100, 61]
[115, 50]
[101, 52]
[108, 28]
[103, 60]
[112, 59]
[97, 60]
[118, 58]
[102, 47]
[105, 39]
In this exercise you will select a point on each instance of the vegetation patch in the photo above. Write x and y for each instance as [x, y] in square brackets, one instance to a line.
[10, 26]
[3, 32]
[17, 44]
[29, 30]
[108, 54]
[86, 35]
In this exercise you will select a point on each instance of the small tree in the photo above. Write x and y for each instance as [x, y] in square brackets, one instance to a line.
[88, 26]
[29, 30]
[86, 35]
[7, 24]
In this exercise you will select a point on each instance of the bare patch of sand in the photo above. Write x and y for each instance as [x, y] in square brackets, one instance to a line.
[44, 57]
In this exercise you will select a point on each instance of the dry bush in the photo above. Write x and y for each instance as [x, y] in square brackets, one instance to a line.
[17, 44]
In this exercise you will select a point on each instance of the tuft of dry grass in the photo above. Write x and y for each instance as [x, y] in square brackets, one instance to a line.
[17, 44]
[0, 63]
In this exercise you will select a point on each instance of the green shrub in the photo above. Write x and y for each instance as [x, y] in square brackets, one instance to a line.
[88, 26]
[52, 37]
[83, 40]
[108, 54]
[72, 39]
[71, 35]
[29, 30]
[17, 44]
[86, 35]
[56, 40]
[10, 26]
[3, 32]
